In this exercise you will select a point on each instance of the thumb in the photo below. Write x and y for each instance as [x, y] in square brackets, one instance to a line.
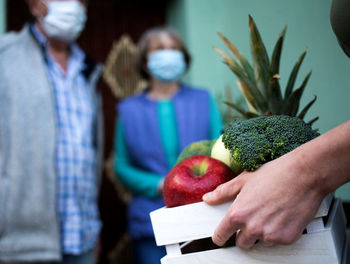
[226, 191]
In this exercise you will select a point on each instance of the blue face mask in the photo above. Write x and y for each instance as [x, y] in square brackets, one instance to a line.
[166, 65]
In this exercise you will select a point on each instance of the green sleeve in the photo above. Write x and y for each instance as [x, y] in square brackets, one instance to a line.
[138, 181]
[215, 120]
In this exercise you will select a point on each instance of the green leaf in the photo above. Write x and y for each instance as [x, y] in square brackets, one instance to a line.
[241, 110]
[291, 105]
[276, 54]
[258, 102]
[306, 108]
[230, 45]
[274, 90]
[274, 95]
[242, 60]
[260, 58]
[293, 76]
[227, 59]
[248, 97]
[313, 121]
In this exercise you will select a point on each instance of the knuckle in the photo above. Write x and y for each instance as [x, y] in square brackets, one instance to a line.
[290, 238]
[272, 238]
[235, 218]
[243, 245]
[280, 239]
[253, 231]
[220, 190]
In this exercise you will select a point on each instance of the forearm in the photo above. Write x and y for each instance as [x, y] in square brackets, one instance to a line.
[326, 159]
[138, 181]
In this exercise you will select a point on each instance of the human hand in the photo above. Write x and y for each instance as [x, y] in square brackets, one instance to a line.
[272, 205]
[160, 186]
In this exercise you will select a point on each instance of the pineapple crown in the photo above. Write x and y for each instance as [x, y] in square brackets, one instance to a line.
[260, 83]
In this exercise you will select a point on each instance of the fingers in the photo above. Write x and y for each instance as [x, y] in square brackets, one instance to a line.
[266, 244]
[225, 192]
[245, 239]
[227, 227]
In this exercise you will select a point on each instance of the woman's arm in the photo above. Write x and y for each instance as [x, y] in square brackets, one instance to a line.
[138, 181]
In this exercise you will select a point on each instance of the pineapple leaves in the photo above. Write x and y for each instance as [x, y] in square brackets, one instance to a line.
[260, 58]
[291, 105]
[306, 108]
[276, 54]
[259, 81]
[227, 59]
[242, 60]
[274, 95]
[293, 76]
[241, 110]
[273, 89]
[313, 121]
[258, 102]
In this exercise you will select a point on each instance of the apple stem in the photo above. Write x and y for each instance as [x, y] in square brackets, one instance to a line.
[200, 169]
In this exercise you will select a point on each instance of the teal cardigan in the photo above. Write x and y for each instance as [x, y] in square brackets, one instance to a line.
[146, 183]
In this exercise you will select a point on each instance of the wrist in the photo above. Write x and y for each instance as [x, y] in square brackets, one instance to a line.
[311, 176]
[160, 186]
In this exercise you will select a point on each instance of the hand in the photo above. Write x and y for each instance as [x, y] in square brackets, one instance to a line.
[272, 205]
[160, 186]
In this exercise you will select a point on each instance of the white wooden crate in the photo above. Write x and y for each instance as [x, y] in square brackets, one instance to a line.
[321, 244]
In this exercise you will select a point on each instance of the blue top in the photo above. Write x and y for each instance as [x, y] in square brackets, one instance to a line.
[75, 152]
[144, 182]
[150, 135]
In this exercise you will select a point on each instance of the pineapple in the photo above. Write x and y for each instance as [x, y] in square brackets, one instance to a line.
[260, 83]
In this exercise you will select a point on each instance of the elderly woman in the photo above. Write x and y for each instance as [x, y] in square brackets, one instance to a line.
[152, 129]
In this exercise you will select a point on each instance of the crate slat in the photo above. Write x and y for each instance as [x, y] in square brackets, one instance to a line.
[196, 221]
[321, 246]
[310, 249]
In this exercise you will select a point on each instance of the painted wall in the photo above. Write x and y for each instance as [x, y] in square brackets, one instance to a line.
[2, 16]
[308, 28]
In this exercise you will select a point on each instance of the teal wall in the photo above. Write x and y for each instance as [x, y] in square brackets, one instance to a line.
[2, 16]
[308, 28]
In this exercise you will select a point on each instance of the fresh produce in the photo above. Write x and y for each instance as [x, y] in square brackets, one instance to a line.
[253, 142]
[260, 83]
[221, 153]
[202, 147]
[188, 181]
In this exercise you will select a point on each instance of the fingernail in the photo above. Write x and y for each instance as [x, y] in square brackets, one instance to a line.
[207, 196]
[216, 242]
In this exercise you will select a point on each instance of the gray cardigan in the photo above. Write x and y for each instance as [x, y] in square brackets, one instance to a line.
[29, 226]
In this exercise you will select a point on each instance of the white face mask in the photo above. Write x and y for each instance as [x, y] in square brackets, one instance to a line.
[166, 65]
[64, 20]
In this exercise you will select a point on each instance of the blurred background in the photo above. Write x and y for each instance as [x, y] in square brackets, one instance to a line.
[198, 21]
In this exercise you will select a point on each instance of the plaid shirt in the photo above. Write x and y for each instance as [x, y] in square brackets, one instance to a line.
[75, 152]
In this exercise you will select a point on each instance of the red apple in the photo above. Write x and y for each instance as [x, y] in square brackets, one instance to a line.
[188, 181]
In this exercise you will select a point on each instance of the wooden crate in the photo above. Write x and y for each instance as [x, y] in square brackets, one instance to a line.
[322, 243]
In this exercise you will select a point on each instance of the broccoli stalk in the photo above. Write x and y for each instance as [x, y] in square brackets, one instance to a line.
[253, 142]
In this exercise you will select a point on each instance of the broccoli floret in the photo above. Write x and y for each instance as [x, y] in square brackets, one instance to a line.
[253, 142]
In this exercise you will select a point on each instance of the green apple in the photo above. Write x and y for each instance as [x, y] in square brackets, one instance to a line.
[202, 147]
[221, 153]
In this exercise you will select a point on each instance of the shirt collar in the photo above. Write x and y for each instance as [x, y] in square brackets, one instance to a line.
[77, 54]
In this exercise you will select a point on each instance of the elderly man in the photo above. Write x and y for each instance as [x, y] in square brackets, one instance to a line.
[50, 139]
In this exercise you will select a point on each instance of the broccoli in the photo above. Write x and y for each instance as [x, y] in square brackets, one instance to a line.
[253, 142]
